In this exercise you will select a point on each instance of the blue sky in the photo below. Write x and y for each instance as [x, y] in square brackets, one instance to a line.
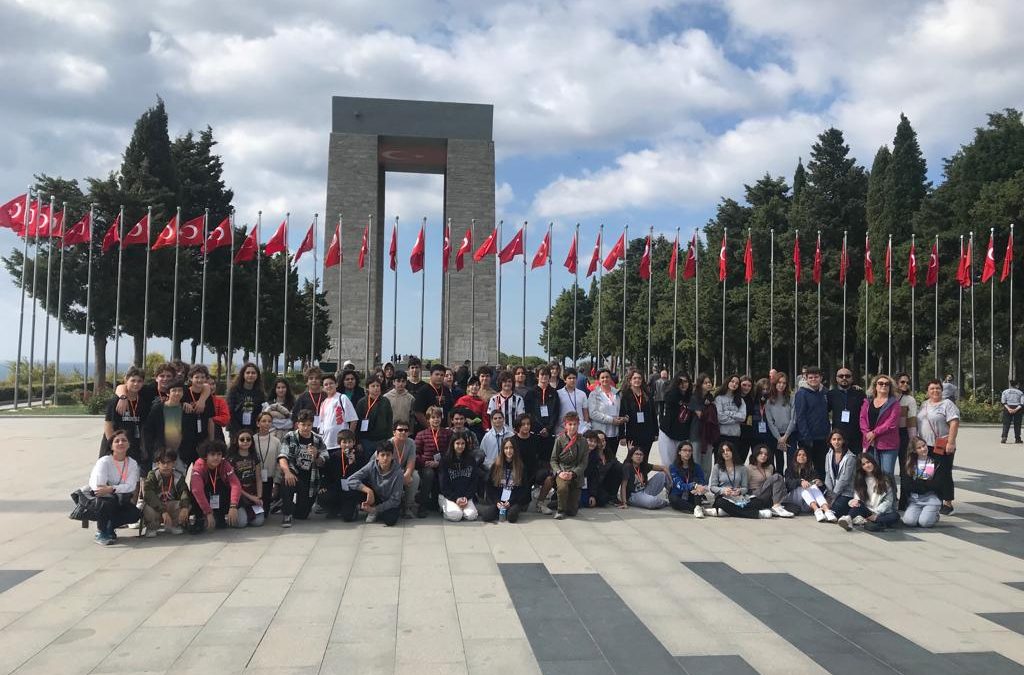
[643, 112]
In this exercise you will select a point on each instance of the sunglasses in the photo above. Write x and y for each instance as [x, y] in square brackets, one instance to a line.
[401, 431]
[844, 376]
[882, 384]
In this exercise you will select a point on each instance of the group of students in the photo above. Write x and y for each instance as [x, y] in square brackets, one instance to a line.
[402, 446]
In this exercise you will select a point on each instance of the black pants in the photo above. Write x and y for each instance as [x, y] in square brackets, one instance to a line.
[489, 512]
[1015, 419]
[220, 514]
[816, 449]
[945, 489]
[296, 500]
[605, 490]
[345, 503]
[115, 511]
[611, 447]
[428, 488]
[748, 511]
[685, 503]
[901, 462]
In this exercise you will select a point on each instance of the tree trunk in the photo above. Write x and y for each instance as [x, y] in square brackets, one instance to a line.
[99, 382]
[140, 345]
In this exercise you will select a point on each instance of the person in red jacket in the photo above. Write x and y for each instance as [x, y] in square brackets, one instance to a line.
[479, 422]
[431, 444]
[216, 490]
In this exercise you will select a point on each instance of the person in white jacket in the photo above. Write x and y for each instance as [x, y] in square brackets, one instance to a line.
[336, 413]
[490, 445]
[603, 405]
[113, 479]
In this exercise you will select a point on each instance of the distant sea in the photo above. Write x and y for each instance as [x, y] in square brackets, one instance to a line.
[68, 368]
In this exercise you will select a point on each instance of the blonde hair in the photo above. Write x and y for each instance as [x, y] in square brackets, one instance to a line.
[874, 381]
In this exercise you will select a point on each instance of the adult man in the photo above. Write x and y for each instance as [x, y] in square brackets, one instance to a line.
[433, 393]
[949, 388]
[543, 407]
[376, 489]
[131, 420]
[845, 401]
[312, 398]
[1013, 409]
[336, 413]
[660, 386]
[400, 399]
[811, 410]
[415, 369]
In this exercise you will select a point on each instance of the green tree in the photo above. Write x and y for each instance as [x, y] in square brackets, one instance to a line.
[905, 182]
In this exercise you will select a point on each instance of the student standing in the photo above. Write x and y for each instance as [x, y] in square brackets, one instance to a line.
[414, 383]
[908, 422]
[433, 394]
[245, 399]
[483, 374]
[312, 398]
[130, 422]
[400, 400]
[506, 400]
[113, 479]
[732, 411]
[350, 386]
[246, 463]
[268, 449]
[571, 398]
[810, 405]
[675, 419]
[781, 420]
[543, 405]
[641, 415]
[938, 423]
[375, 418]
[704, 427]
[569, 464]
[336, 413]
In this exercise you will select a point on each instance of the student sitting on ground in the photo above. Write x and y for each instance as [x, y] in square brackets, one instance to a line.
[921, 476]
[507, 492]
[689, 487]
[638, 488]
[216, 491]
[764, 483]
[166, 496]
[729, 485]
[301, 459]
[874, 503]
[376, 489]
[246, 464]
[113, 479]
[569, 465]
[342, 464]
[458, 480]
[603, 478]
[840, 467]
[805, 488]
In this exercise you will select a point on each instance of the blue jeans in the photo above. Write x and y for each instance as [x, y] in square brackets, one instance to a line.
[887, 460]
[888, 519]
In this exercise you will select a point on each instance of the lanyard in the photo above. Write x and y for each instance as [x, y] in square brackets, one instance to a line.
[572, 398]
[192, 395]
[214, 478]
[122, 471]
[505, 405]
[436, 433]
[508, 477]
[370, 404]
[543, 394]
[317, 402]
[170, 483]
[639, 475]
[439, 394]
[639, 400]
[259, 450]
[134, 408]
[731, 477]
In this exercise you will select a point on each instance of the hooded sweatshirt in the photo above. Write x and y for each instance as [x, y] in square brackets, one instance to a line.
[810, 406]
[388, 488]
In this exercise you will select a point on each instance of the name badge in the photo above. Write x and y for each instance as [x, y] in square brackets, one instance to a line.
[246, 419]
[506, 494]
[214, 502]
[257, 509]
[264, 476]
[437, 456]
[762, 427]
[364, 425]
[639, 417]
[137, 433]
[199, 426]
[584, 487]
[543, 411]
[844, 417]
[316, 421]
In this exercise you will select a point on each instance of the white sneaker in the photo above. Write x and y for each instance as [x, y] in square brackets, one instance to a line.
[845, 523]
[176, 530]
[764, 513]
[859, 520]
[781, 512]
[546, 510]
[150, 533]
[698, 511]
[371, 517]
[819, 515]
[559, 515]
[830, 516]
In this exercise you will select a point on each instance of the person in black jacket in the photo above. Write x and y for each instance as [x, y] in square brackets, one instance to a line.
[603, 476]
[919, 479]
[638, 408]
[458, 477]
[341, 465]
[542, 405]
[676, 418]
[844, 404]
[245, 399]
[507, 489]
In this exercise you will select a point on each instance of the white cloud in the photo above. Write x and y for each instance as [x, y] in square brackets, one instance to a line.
[78, 75]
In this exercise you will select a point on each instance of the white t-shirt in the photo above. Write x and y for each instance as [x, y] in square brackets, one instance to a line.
[574, 401]
[335, 414]
[933, 419]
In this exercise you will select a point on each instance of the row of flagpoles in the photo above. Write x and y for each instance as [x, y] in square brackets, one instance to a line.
[44, 222]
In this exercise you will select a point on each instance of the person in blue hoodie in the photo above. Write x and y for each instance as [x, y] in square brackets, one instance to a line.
[689, 486]
[811, 409]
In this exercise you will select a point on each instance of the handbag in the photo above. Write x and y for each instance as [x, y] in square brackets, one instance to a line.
[86, 506]
[941, 442]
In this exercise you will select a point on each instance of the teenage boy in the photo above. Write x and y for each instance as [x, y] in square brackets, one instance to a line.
[483, 374]
[415, 370]
[199, 422]
[490, 446]
[336, 413]
[458, 420]
[130, 421]
[810, 405]
[341, 465]
[476, 408]
[159, 390]
[506, 400]
[571, 398]
[165, 428]
[376, 489]
[303, 455]
[216, 489]
[431, 444]
[433, 393]
[569, 463]
[405, 457]
[312, 398]
[543, 405]
[166, 496]
[400, 399]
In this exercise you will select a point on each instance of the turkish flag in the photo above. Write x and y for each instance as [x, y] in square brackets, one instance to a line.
[38, 221]
[513, 248]
[249, 248]
[12, 214]
[844, 264]
[869, 266]
[278, 242]
[645, 260]
[1007, 259]
[113, 235]
[816, 270]
[393, 249]
[139, 234]
[964, 273]
[191, 233]
[489, 247]
[690, 266]
[797, 266]
[721, 261]
[596, 258]
[572, 259]
[446, 248]
[673, 259]
[219, 236]
[989, 270]
[888, 263]
[333, 256]
[364, 248]
[617, 253]
[465, 247]
[79, 233]
[168, 235]
[306, 245]
[418, 251]
[932, 277]
[541, 257]
[748, 261]
[912, 266]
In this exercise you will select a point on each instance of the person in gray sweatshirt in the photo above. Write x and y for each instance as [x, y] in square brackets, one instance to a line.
[376, 489]
[840, 467]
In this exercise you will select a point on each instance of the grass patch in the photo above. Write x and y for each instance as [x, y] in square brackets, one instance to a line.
[24, 411]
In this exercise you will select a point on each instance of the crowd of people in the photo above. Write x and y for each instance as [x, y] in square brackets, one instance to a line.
[492, 443]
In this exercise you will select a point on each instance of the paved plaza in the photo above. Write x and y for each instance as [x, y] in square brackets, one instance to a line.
[611, 591]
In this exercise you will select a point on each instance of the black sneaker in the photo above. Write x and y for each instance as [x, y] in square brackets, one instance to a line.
[286, 521]
[946, 509]
[872, 526]
[421, 512]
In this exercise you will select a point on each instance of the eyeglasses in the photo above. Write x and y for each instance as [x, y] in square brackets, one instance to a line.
[882, 384]
[244, 439]
[844, 376]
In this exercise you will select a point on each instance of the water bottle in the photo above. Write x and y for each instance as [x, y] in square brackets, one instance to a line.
[502, 513]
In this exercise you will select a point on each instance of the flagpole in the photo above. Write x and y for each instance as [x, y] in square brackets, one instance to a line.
[796, 310]
[746, 367]
[548, 253]
[46, 305]
[696, 307]
[394, 303]
[497, 355]
[960, 323]
[771, 302]
[817, 255]
[1012, 350]
[231, 292]
[472, 300]
[423, 290]
[312, 306]
[202, 297]
[145, 302]
[867, 293]
[650, 281]
[625, 250]
[576, 291]
[974, 371]
[888, 280]
[117, 302]
[287, 283]
[21, 318]
[88, 307]
[445, 264]
[675, 305]
[60, 300]
[256, 344]
[913, 319]
[35, 298]
[341, 253]
[600, 245]
[844, 260]
[725, 234]
[937, 309]
[369, 238]
[991, 323]
[524, 293]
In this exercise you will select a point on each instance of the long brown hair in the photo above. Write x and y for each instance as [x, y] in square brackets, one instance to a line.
[910, 468]
[860, 479]
[498, 470]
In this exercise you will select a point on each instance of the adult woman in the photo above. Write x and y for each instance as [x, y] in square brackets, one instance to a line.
[938, 422]
[921, 475]
[728, 484]
[507, 492]
[113, 480]
[676, 419]
[245, 399]
[704, 428]
[732, 412]
[781, 420]
[764, 483]
[375, 419]
[879, 423]
[689, 486]
[840, 466]
[637, 407]
[604, 406]
[458, 481]
[805, 488]
[280, 408]
[350, 386]
[638, 487]
[874, 503]
[908, 425]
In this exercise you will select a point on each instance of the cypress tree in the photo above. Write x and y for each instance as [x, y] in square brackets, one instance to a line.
[906, 180]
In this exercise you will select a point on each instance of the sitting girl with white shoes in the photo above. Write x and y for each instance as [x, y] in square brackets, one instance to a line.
[805, 488]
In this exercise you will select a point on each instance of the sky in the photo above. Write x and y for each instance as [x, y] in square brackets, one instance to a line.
[642, 112]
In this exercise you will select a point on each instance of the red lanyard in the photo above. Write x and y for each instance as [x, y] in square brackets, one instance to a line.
[134, 408]
[213, 479]
[123, 471]
[317, 402]
[435, 434]
[192, 395]
[639, 475]
[639, 400]
[543, 394]
[439, 393]
[170, 483]
[370, 404]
